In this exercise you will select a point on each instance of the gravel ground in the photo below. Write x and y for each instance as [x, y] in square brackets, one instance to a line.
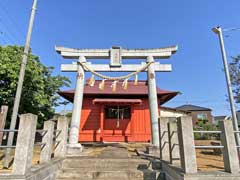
[206, 159]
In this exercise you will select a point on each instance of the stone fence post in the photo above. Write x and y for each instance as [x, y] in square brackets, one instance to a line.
[47, 141]
[163, 139]
[3, 116]
[230, 153]
[62, 136]
[25, 144]
[173, 141]
[186, 144]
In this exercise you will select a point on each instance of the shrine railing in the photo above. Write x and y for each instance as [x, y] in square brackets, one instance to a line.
[178, 146]
[51, 143]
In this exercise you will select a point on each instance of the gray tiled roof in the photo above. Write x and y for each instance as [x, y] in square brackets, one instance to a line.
[190, 107]
[218, 118]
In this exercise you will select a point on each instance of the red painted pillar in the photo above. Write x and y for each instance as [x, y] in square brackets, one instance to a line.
[101, 122]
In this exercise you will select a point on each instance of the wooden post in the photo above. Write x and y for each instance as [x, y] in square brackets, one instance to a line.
[3, 116]
[186, 144]
[62, 136]
[102, 122]
[230, 153]
[47, 141]
[25, 143]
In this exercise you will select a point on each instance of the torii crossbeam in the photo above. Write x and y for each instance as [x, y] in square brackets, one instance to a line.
[158, 53]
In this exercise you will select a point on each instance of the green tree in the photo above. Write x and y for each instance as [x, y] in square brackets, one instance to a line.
[40, 86]
[234, 69]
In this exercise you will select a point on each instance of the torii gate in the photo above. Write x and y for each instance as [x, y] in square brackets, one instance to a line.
[115, 54]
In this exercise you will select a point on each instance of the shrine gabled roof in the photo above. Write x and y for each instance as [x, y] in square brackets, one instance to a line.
[139, 90]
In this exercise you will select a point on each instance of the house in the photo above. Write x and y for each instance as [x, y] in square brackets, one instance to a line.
[216, 119]
[198, 113]
[117, 116]
[172, 112]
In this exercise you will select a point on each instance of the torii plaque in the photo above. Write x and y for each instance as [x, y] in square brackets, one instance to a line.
[116, 55]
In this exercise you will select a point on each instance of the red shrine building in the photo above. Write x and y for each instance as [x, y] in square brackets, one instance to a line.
[120, 116]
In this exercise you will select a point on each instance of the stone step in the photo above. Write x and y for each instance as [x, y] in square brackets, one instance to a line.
[102, 179]
[91, 179]
[120, 174]
[106, 163]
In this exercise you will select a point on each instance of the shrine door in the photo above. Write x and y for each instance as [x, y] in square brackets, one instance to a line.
[117, 122]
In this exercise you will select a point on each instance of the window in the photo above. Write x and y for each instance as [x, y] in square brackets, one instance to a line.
[117, 112]
[202, 116]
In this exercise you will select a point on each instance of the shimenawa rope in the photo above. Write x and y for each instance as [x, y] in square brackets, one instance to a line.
[85, 66]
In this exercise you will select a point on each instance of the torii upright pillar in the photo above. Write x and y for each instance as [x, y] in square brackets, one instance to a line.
[77, 106]
[153, 102]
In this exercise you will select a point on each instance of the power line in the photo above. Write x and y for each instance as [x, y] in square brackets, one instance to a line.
[6, 37]
[231, 29]
[4, 41]
[191, 102]
[7, 32]
[11, 19]
[10, 25]
[201, 101]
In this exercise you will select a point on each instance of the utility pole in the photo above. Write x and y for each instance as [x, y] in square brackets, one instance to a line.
[20, 84]
[218, 31]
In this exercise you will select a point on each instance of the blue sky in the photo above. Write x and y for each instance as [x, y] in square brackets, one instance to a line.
[197, 66]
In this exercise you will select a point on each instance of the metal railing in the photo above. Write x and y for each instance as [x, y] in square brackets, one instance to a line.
[211, 132]
[208, 146]
[237, 132]
[42, 132]
[8, 131]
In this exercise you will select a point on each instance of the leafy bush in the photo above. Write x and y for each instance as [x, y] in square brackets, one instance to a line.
[206, 127]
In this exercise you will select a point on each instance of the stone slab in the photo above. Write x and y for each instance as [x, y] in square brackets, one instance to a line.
[153, 151]
[38, 172]
[175, 173]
